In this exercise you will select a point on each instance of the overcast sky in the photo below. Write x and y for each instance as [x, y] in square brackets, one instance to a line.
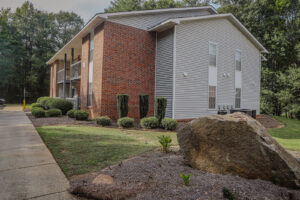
[85, 8]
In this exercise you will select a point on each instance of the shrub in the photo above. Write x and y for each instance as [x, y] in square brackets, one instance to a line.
[81, 115]
[43, 101]
[144, 105]
[103, 121]
[62, 104]
[149, 122]
[160, 108]
[38, 112]
[227, 194]
[71, 113]
[125, 122]
[169, 124]
[122, 105]
[186, 178]
[53, 112]
[165, 142]
[36, 105]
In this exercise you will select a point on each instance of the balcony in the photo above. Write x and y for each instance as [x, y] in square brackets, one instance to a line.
[75, 72]
[60, 76]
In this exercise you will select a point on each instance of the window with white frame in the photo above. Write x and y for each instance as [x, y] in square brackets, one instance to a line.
[238, 61]
[91, 50]
[212, 55]
[238, 97]
[212, 97]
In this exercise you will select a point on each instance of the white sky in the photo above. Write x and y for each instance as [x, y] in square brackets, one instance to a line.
[85, 8]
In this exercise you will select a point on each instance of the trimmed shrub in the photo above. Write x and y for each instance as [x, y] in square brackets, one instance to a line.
[144, 105]
[53, 112]
[36, 105]
[160, 108]
[125, 122]
[38, 112]
[43, 101]
[122, 105]
[81, 115]
[169, 124]
[71, 113]
[103, 121]
[149, 122]
[62, 104]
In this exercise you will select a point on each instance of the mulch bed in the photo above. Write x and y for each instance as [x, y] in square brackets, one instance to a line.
[269, 122]
[155, 175]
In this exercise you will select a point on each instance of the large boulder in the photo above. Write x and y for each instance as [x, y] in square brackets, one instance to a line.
[237, 144]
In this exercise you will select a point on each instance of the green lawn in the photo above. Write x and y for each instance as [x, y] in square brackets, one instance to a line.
[82, 149]
[289, 135]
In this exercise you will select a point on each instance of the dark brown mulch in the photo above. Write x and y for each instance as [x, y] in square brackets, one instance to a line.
[54, 121]
[268, 122]
[155, 175]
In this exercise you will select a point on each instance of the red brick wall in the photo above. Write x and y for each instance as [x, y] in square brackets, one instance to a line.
[55, 86]
[123, 63]
[51, 79]
[128, 68]
[84, 72]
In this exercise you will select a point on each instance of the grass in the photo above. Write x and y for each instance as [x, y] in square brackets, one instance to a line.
[83, 149]
[289, 135]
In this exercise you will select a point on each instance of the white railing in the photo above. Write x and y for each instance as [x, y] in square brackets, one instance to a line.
[60, 76]
[75, 72]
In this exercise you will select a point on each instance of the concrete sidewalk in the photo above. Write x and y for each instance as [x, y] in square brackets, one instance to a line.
[27, 168]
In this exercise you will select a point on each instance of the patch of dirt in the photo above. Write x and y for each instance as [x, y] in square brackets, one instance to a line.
[53, 121]
[269, 122]
[296, 154]
[155, 175]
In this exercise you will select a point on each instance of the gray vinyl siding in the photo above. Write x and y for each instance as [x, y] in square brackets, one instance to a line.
[164, 68]
[149, 20]
[192, 42]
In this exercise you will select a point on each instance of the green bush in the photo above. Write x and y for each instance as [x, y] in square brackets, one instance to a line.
[71, 113]
[149, 122]
[144, 105]
[81, 115]
[165, 142]
[36, 105]
[62, 104]
[103, 121]
[122, 105]
[169, 124]
[38, 112]
[125, 122]
[160, 108]
[43, 101]
[53, 112]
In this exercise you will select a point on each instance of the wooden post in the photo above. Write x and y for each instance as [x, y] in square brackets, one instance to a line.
[64, 83]
[71, 62]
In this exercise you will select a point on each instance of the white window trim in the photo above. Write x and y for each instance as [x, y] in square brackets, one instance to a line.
[174, 72]
[92, 36]
[217, 55]
[235, 59]
[241, 78]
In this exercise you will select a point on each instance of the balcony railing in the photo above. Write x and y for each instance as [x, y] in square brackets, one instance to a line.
[60, 76]
[75, 72]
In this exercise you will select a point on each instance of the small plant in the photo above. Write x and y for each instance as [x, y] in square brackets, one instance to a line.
[126, 122]
[71, 113]
[169, 124]
[38, 112]
[165, 142]
[103, 121]
[227, 194]
[122, 105]
[81, 115]
[144, 105]
[53, 112]
[149, 122]
[160, 108]
[36, 105]
[186, 178]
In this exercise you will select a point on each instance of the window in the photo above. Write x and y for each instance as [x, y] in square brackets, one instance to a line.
[212, 97]
[212, 55]
[90, 92]
[238, 62]
[237, 97]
